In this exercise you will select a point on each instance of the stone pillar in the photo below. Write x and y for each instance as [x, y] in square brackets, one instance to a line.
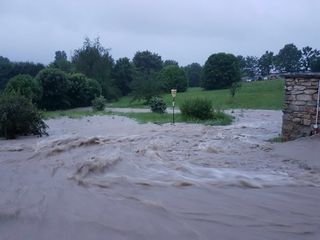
[299, 110]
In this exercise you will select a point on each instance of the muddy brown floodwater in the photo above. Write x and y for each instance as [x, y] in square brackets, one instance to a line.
[111, 178]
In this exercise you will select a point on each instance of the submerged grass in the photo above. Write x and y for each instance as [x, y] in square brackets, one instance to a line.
[73, 113]
[276, 139]
[220, 118]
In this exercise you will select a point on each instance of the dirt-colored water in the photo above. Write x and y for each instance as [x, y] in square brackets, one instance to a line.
[112, 178]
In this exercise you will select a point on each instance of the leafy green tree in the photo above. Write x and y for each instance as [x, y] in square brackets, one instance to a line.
[251, 68]
[55, 86]
[242, 65]
[19, 117]
[93, 89]
[288, 59]
[265, 63]
[147, 62]
[193, 74]
[220, 71]
[308, 56]
[170, 62]
[60, 56]
[77, 91]
[145, 85]
[5, 70]
[248, 66]
[173, 76]
[29, 68]
[123, 75]
[95, 62]
[10, 69]
[82, 90]
[61, 62]
[24, 85]
[315, 65]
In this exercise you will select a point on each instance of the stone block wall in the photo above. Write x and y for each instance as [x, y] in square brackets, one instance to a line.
[300, 105]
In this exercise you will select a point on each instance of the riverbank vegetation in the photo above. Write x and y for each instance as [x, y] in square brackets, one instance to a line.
[91, 74]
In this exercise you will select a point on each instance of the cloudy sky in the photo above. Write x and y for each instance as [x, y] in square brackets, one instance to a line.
[184, 30]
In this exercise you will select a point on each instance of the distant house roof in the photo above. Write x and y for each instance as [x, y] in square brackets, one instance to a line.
[301, 75]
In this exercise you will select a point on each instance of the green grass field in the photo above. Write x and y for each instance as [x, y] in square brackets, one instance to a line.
[252, 95]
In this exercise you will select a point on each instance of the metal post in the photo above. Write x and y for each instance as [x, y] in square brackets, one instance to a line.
[173, 110]
[173, 94]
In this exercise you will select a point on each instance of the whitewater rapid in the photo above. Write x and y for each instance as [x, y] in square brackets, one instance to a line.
[109, 177]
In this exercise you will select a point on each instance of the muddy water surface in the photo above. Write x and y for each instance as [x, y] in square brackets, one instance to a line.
[112, 178]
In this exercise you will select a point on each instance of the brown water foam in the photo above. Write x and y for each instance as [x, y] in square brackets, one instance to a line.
[109, 177]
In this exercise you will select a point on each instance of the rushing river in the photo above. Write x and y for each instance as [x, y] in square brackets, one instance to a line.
[111, 178]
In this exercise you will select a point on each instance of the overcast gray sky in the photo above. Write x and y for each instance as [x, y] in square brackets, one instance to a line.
[184, 30]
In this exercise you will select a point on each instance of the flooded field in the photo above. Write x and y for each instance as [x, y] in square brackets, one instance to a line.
[109, 177]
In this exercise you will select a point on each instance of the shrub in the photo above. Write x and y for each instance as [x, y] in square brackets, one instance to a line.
[82, 90]
[93, 89]
[55, 86]
[24, 85]
[157, 105]
[234, 88]
[198, 108]
[77, 89]
[19, 117]
[99, 103]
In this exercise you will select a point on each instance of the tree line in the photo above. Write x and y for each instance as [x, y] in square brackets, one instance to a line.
[289, 59]
[92, 72]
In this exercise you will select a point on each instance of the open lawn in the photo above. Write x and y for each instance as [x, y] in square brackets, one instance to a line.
[252, 95]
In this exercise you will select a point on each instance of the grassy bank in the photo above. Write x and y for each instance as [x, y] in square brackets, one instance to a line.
[220, 119]
[252, 95]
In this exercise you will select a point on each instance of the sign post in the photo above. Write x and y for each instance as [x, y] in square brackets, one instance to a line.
[173, 94]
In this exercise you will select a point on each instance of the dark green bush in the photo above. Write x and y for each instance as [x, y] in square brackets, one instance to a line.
[99, 103]
[234, 88]
[55, 86]
[24, 85]
[77, 90]
[19, 117]
[112, 93]
[197, 108]
[93, 90]
[157, 105]
[82, 90]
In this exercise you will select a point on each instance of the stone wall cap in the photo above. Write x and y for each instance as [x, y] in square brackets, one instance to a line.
[301, 75]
